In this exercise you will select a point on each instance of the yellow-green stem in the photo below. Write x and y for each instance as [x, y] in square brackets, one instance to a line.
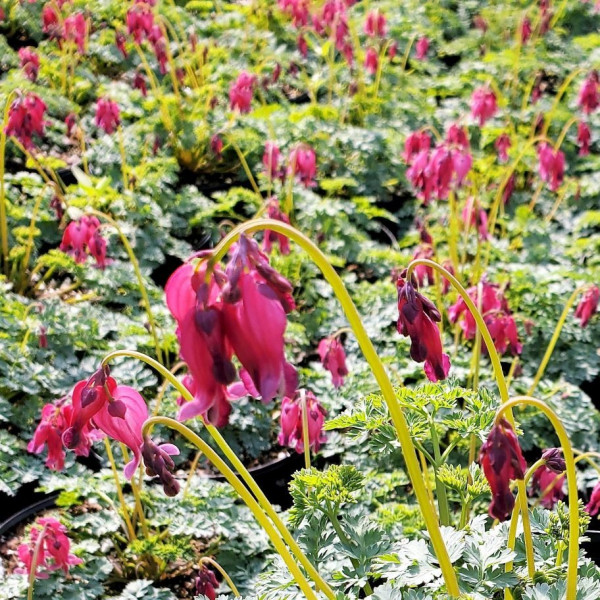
[113, 466]
[209, 561]
[238, 466]
[571, 482]
[138, 273]
[563, 133]
[245, 167]
[244, 494]
[135, 490]
[500, 380]
[558, 97]
[29, 243]
[554, 339]
[396, 412]
[124, 173]
[191, 473]
[3, 222]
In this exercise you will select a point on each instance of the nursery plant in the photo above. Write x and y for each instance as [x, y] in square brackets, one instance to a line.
[299, 300]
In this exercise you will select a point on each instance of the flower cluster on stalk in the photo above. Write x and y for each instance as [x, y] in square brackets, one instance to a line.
[26, 118]
[82, 238]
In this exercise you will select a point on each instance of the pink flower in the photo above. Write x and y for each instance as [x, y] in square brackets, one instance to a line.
[158, 463]
[588, 305]
[270, 160]
[83, 237]
[502, 145]
[120, 43]
[483, 104]
[371, 61]
[51, 22]
[549, 484]
[589, 95]
[30, 63]
[458, 137]
[240, 92]
[70, 122]
[198, 310]
[75, 30]
[584, 137]
[55, 420]
[415, 143]
[424, 273]
[206, 583]
[139, 83]
[525, 30]
[421, 47]
[302, 162]
[417, 318]
[292, 426]
[551, 165]
[159, 45]
[107, 115]
[121, 418]
[475, 216]
[271, 237]
[54, 550]
[333, 358]
[26, 118]
[375, 24]
[216, 145]
[140, 20]
[297, 9]
[393, 50]
[593, 506]
[302, 45]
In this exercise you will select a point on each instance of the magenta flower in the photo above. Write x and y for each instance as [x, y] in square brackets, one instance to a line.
[589, 94]
[26, 118]
[272, 237]
[421, 47]
[302, 45]
[240, 92]
[139, 83]
[550, 484]
[54, 550]
[303, 163]
[216, 145]
[415, 143]
[140, 21]
[56, 418]
[75, 30]
[158, 463]
[30, 63]
[159, 45]
[371, 61]
[70, 122]
[107, 115]
[206, 583]
[458, 137]
[297, 9]
[551, 165]
[584, 137]
[424, 273]
[502, 144]
[593, 506]
[333, 358]
[588, 305]
[375, 24]
[475, 216]
[120, 43]
[483, 104]
[417, 318]
[51, 24]
[502, 461]
[270, 160]
[83, 237]
[292, 426]
[525, 30]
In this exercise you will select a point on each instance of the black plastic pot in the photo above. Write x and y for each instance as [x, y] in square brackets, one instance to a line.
[16, 509]
[592, 548]
[274, 478]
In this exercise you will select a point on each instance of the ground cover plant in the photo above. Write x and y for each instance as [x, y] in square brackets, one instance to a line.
[299, 299]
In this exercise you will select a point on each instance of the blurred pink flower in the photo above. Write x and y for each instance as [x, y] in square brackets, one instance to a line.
[333, 358]
[483, 104]
[292, 426]
[588, 305]
[107, 115]
[240, 92]
[421, 47]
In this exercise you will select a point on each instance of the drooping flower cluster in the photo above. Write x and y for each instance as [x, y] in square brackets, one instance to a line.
[54, 550]
[584, 137]
[292, 426]
[206, 583]
[417, 318]
[333, 358]
[26, 118]
[473, 215]
[551, 165]
[75, 31]
[496, 314]
[421, 48]
[82, 238]
[549, 478]
[502, 461]
[375, 24]
[30, 63]
[435, 172]
[240, 311]
[589, 94]
[107, 115]
[502, 145]
[483, 105]
[240, 92]
[588, 305]
[302, 163]
[593, 506]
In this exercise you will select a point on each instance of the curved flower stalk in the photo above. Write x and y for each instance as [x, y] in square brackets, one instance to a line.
[396, 413]
[573, 550]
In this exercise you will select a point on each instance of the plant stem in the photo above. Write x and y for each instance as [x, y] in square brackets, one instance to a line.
[346, 542]
[210, 561]
[500, 380]
[396, 413]
[305, 437]
[554, 339]
[34, 562]
[113, 466]
[238, 466]
[558, 97]
[571, 482]
[138, 273]
[29, 245]
[440, 488]
[191, 473]
[3, 222]
[124, 169]
[244, 494]
[245, 167]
